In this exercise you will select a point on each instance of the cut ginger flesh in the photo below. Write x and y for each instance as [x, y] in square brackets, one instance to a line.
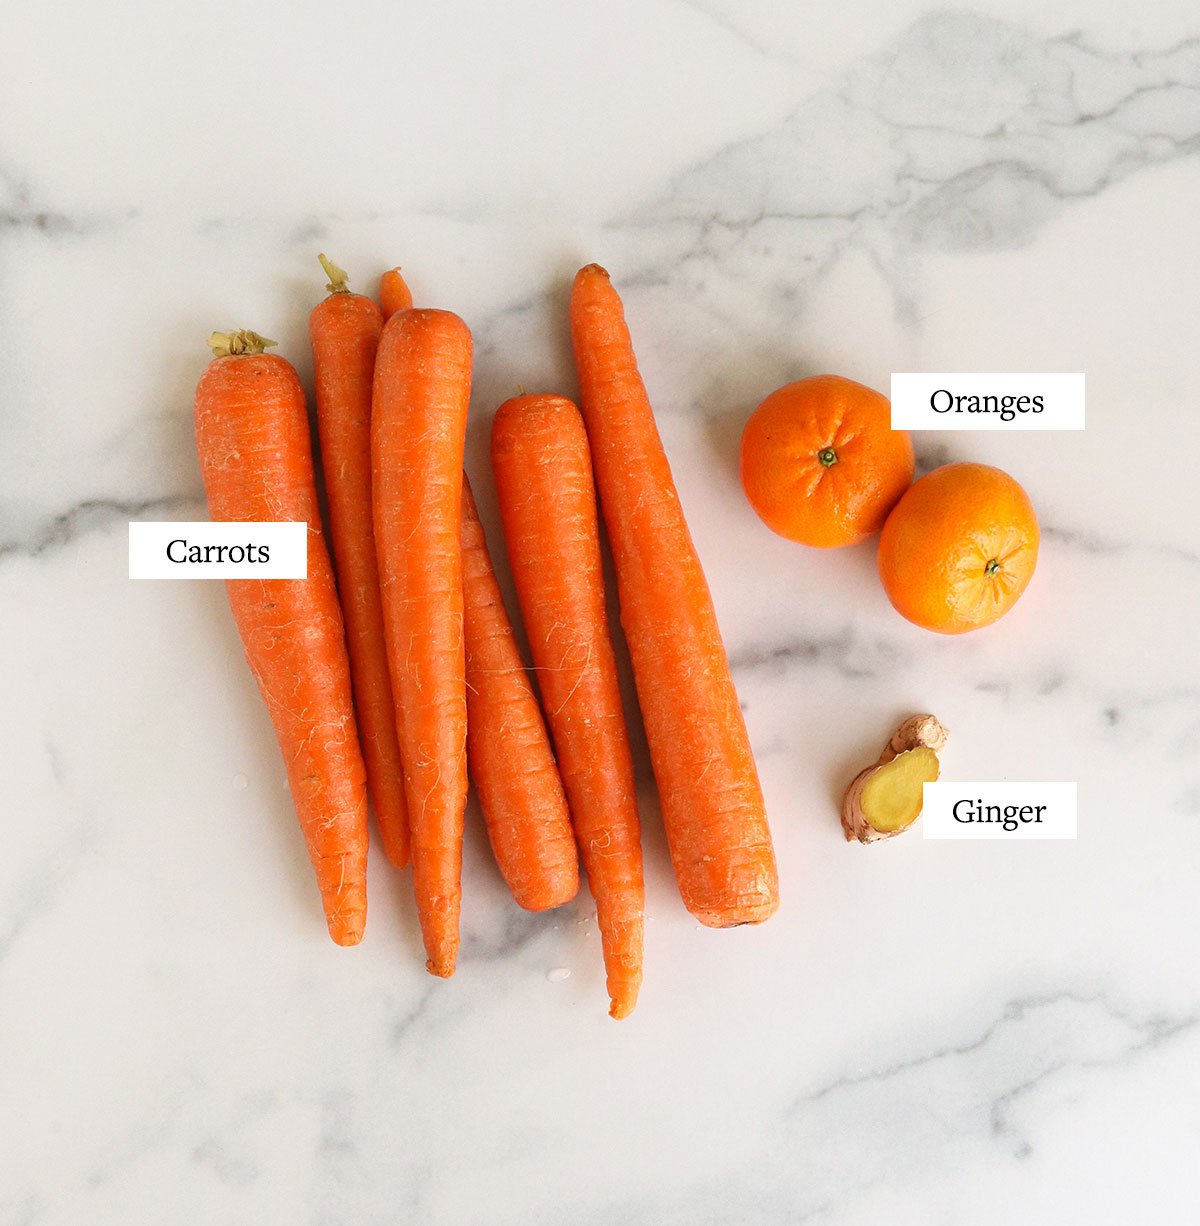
[892, 797]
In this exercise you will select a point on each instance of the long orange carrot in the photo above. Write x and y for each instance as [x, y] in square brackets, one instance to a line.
[344, 330]
[708, 785]
[394, 294]
[256, 460]
[418, 428]
[548, 508]
[508, 751]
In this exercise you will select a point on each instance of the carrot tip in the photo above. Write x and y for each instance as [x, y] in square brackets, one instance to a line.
[743, 913]
[394, 294]
[443, 969]
[619, 1009]
[397, 859]
[347, 938]
[396, 849]
[538, 903]
[598, 269]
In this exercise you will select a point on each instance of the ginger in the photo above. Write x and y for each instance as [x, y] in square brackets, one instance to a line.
[885, 799]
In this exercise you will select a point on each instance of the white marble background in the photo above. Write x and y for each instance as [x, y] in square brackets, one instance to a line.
[941, 1033]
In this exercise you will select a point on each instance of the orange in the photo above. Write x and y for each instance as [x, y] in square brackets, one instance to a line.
[820, 462]
[959, 548]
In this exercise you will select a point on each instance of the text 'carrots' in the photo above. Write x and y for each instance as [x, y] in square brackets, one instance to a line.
[419, 417]
[508, 751]
[344, 330]
[548, 508]
[711, 799]
[256, 459]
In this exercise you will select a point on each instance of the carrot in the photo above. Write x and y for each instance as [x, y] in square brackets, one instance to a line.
[548, 508]
[418, 428]
[711, 799]
[394, 294]
[256, 460]
[344, 330]
[508, 751]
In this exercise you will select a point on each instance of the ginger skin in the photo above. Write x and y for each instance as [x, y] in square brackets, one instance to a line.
[885, 799]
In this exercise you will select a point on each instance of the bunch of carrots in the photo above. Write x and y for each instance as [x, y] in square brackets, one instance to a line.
[392, 671]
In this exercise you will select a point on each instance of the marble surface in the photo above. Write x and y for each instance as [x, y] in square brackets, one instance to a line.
[927, 1033]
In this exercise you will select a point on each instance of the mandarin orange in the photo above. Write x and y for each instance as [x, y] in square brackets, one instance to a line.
[820, 462]
[959, 548]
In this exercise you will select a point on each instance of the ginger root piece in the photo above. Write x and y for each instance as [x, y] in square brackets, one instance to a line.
[885, 799]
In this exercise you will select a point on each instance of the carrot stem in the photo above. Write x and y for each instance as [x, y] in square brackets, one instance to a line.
[237, 344]
[339, 278]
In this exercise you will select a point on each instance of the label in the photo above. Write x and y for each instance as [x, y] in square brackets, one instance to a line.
[931, 401]
[204, 550]
[999, 811]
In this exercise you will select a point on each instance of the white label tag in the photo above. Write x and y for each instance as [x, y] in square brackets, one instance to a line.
[999, 811]
[932, 401]
[203, 550]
